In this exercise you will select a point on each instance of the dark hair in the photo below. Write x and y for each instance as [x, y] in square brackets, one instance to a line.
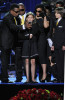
[61, 3]
[14, 5]
[39, 6]
[48, 7]
[60, 10]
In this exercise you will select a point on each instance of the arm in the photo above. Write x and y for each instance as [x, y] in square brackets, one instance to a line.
[35, 29]
[51, 29]
[63, 47]
[12, 26]
[46, 23]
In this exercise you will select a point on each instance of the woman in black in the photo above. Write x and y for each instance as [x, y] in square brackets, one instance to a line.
[43, 23]
[30, 45]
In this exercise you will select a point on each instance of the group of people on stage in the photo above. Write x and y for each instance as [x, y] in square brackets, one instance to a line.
[38, 38]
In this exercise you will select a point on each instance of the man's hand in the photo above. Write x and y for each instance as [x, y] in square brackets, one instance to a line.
[63, 48]
[52, 48]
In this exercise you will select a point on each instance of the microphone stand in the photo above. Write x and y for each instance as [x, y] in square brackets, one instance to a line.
[29, 56]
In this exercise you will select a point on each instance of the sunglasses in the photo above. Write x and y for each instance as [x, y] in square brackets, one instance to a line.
[16, 11]
[38, 11]
[21, 10]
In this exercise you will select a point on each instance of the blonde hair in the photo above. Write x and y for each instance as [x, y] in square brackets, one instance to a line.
[30, 13]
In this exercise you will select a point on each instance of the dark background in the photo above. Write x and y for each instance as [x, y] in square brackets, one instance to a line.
[29, 5]
[7, 91]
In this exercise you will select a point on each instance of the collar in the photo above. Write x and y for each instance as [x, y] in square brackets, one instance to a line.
[22, 15]
[59, 19]
[12, 15]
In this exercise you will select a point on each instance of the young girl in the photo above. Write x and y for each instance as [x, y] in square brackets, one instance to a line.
[30, 46]
[59, 43]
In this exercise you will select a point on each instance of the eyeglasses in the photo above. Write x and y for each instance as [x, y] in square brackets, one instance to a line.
[16, 11]
[38, 11]
[21, 10]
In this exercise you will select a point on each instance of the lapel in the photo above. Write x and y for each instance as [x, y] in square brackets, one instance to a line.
[59, 22]
[12, 18]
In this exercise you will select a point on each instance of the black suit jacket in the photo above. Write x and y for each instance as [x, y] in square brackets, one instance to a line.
[9, 32]
[0, 31]
[59, 35]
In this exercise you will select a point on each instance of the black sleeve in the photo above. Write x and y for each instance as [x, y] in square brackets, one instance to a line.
[1, 26]
[35, 29]
[47, 18]
[12, 25]
[21, 35]
[64, 35]
[50, 33]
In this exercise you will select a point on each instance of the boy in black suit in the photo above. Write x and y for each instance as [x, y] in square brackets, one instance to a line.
[59, 43]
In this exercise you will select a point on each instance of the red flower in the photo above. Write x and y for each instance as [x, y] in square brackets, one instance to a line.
[14, 98]
[29, 91]
[36, 94]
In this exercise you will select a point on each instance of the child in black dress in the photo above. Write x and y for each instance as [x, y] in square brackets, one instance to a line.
[30, 46]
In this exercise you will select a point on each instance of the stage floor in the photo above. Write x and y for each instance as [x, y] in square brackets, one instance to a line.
[11, 89]
[12, 78]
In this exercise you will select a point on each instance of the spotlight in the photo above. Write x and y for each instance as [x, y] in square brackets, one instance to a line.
[4, 3]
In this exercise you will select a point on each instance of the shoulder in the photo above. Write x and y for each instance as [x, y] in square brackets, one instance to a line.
[7, 16]
[63, 19]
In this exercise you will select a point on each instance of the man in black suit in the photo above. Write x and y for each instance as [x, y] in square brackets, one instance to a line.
[9, 36]
[59, 43]
[18, 58]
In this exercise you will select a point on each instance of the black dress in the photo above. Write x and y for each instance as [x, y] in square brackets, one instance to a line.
[42, 47]
[30, 45]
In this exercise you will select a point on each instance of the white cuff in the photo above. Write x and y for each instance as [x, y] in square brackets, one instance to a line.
[50, 42]
[23, 26]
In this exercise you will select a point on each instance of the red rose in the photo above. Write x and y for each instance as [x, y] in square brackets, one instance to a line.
[29, 91]
[24, 96]
[34, 90]
[14, 98]
[36, 94]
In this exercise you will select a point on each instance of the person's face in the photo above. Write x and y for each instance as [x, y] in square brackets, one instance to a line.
[57, 15]
[15, 12]
[30, 18]
[38, 11]
[22, 10]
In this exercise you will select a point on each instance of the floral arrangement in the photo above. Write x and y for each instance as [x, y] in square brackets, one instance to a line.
[36, 94]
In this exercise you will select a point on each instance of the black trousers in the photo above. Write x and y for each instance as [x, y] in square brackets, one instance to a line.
[59, 56]
[18, 63]
[5, 58]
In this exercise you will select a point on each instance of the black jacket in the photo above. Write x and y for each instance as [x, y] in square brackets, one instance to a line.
[59, 35]
[0, 31]
[9, 32]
